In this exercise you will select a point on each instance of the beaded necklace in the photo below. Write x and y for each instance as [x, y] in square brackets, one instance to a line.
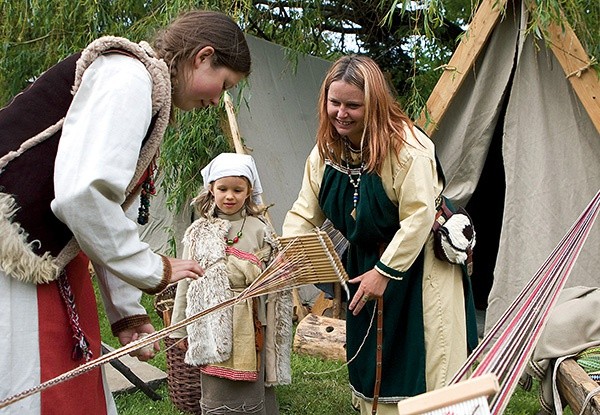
[237, 236]
[148, 190]
[354, 182]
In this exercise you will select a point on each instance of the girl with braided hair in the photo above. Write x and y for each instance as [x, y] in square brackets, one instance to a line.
[77, 147]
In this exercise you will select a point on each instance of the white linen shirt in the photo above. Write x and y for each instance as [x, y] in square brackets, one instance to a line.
[96, 160]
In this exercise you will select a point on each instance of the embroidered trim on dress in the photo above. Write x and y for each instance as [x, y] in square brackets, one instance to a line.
[166, 279]
[129, 323]
[355, 171]
[243, 255]
[231, 374]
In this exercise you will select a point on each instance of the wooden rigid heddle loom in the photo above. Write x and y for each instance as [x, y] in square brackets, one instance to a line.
[306, 259]
[505, 350]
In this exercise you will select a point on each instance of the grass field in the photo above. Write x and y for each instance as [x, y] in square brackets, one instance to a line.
[319, 387]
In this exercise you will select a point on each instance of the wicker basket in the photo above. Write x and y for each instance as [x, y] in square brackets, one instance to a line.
[183, 380]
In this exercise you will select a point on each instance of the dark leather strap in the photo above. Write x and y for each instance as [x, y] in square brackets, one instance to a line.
[378, 355]
[442, 215]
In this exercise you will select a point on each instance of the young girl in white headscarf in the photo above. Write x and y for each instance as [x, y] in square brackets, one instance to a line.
[243, 350]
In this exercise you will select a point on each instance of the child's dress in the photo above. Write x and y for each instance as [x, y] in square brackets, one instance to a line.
[243, 348]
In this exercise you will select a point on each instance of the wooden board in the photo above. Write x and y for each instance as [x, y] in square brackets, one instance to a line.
[300, 310]
[574, 385]
[466, 397]
[464, 57]
[577, 67]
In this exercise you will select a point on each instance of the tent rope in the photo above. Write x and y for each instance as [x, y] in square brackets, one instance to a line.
[580, 71]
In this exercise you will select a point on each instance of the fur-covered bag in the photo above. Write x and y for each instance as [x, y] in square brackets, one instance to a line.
[453, 235]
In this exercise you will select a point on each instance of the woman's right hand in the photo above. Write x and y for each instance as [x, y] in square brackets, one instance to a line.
[184, 268]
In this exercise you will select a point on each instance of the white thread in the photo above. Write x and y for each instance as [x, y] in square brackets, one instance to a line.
[357, 352]
[333, 263]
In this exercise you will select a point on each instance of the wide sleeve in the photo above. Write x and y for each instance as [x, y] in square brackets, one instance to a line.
[306, 213]
[96, 160]
[121, 301]
[415, 186]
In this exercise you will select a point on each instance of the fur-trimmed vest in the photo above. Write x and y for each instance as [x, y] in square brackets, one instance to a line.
[35, 246]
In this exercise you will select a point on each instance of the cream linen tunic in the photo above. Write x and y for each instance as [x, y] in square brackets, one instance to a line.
[443, 298]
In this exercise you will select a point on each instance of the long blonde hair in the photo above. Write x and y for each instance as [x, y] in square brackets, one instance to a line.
[384, 119]
[205, 206]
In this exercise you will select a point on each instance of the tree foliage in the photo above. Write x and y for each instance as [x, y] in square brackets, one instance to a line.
[407, 42]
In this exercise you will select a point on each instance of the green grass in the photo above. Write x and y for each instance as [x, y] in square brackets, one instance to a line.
[319, 387]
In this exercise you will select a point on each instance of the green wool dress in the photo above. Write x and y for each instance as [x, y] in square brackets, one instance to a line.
[403, 368]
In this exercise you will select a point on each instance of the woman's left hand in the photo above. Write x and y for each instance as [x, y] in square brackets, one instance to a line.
[372, 286]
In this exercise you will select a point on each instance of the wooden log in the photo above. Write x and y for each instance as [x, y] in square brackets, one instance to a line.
[574, 385]
[321, 336]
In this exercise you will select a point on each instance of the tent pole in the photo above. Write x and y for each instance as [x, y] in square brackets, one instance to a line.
[461, 62]
[577, 67]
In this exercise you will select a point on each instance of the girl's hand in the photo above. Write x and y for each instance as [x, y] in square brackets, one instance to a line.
[184, 268]
[128, 335]
[372, 286]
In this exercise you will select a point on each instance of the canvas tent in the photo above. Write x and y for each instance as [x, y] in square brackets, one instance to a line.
[280, 122]
[516, 123]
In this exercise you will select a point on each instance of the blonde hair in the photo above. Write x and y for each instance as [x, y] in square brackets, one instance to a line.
[384, 119]
[205, 206]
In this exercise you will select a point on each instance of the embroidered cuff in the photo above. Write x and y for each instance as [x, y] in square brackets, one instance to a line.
[129, 323]
[389, 272]
[167, 271]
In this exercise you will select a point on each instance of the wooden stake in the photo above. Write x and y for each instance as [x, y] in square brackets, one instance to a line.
[461, 62]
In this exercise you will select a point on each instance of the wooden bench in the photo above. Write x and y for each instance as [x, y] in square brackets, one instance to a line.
[574, 385]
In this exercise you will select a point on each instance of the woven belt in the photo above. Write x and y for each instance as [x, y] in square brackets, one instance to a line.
[378, 355]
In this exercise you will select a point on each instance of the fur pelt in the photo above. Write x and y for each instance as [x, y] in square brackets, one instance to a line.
[283, 303]
[210, 339]
[16, 256]
[283, 337]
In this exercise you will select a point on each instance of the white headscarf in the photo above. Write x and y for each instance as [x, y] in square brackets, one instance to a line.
[233, 164]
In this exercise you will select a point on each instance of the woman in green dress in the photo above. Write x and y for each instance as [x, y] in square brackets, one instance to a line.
[375, 177]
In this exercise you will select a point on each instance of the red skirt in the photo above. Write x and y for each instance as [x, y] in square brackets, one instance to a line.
[84, 393]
